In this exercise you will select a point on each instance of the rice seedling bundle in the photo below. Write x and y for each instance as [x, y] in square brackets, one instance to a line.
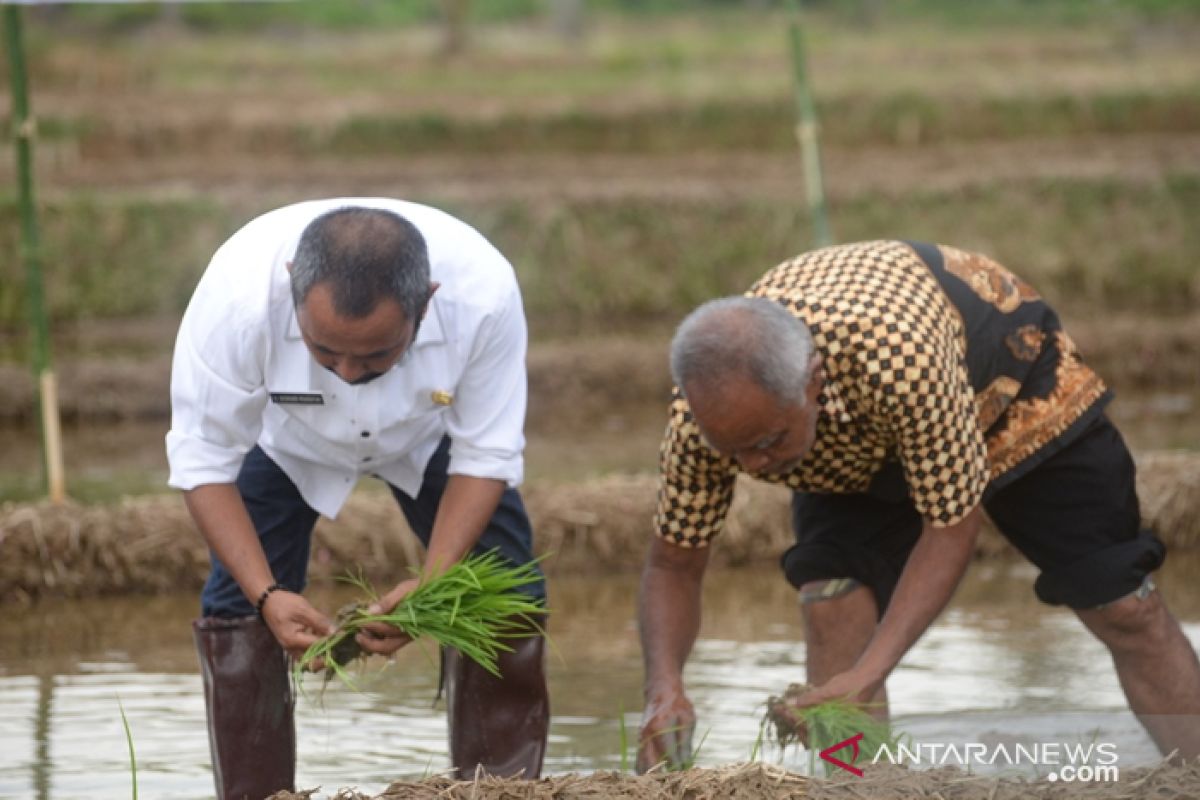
[473, 606]
[826, 724]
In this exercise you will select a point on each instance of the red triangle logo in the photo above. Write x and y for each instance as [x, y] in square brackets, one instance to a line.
[853, 741]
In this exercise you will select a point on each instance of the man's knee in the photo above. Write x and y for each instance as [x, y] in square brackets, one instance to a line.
[834, 611]
[1139, 621]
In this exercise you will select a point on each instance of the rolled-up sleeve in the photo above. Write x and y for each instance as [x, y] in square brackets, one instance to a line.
[217, 396]
[486, 426]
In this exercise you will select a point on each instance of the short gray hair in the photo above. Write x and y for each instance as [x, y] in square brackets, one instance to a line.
[365, 255]
[739, 337]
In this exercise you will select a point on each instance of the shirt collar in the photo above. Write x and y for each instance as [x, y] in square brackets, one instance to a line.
[432, 331]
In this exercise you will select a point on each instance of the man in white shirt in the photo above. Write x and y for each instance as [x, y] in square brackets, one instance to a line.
[329, 340]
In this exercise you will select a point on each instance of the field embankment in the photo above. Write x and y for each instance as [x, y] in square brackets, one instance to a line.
[148, 544]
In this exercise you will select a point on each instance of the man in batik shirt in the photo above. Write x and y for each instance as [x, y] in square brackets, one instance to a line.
[901, 389]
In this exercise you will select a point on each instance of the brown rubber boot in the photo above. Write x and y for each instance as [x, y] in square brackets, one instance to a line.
[251, 730]
[498, 725]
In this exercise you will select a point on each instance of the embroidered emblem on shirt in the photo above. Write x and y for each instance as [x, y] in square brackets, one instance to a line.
[298, 398]
[441, 397]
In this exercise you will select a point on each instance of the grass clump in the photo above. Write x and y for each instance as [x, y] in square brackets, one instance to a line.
[826, 724]
[473, 606]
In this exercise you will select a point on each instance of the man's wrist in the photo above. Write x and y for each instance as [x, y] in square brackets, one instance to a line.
[870, 677]
[660, 683]
[261, 602]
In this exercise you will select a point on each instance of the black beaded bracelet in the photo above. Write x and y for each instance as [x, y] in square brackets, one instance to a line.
[262, 598]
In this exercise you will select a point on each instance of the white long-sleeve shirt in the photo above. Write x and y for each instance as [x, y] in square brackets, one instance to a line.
[242, 374]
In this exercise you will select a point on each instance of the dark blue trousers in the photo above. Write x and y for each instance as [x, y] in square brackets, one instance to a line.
[285, 522]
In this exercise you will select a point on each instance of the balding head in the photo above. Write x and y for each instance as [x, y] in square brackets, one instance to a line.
[365, 255]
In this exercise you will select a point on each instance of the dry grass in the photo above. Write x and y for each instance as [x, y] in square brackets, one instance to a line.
[758, 781]
[1169, 486]
[738, 782]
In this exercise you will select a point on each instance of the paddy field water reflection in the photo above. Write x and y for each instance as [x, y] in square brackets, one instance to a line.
[996, 665]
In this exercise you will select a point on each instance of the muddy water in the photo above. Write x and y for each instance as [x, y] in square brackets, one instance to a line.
[996, 665]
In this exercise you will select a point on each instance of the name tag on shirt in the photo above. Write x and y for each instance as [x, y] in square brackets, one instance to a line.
[298, 398]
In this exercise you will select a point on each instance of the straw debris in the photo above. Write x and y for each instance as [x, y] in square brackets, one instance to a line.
[758, 781]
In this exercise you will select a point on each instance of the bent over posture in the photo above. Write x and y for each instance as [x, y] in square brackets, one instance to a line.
[329, 340]
[900, 389]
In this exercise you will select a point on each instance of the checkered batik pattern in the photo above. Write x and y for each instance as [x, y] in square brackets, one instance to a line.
[894, 352]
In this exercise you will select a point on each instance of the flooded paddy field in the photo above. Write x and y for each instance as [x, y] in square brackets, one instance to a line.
[995, 666]
[1066, 147]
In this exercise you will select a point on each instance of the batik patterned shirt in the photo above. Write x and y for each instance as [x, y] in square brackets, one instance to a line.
[936, 358]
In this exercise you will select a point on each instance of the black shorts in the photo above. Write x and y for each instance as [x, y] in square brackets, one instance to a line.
[1075, 516]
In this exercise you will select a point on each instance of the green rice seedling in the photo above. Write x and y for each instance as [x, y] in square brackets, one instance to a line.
[756, 749]
[826, 724]
[670, 766]
[689, 760]
[129, 741]
[473, 606]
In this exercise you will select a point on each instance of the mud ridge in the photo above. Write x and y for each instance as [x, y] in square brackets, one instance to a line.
[149, 545]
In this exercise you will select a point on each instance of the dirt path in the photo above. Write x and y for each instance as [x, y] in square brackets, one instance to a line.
[570, 381]
[682, 176]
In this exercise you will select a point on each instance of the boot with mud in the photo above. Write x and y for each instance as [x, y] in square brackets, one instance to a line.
[498, 726]
[248, 693]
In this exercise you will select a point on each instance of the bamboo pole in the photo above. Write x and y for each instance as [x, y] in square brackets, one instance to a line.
[807, 133]
[24, 132]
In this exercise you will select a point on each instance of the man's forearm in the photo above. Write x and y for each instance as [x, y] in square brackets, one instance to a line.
[221, 516]
[932, 573]
[669, 609]
[463, 514]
